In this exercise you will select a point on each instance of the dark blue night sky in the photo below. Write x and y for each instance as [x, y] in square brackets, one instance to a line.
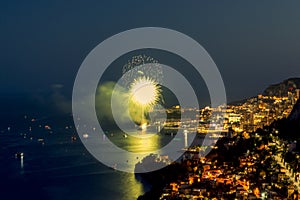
[254, 44]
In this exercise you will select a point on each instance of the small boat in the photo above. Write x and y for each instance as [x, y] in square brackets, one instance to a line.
[40, 140]
[19, 155]
[73, 138]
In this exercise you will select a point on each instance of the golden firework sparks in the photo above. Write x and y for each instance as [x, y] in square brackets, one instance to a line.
[144, 91]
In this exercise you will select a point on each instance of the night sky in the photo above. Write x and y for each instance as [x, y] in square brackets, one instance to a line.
[43, 43]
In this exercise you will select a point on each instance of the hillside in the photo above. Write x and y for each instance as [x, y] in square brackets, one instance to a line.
[289, 128]
[281, 89]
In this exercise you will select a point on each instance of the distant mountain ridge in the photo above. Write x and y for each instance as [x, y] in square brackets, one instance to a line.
[281, 89]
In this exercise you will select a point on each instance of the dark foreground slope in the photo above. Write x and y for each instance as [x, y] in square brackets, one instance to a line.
[289, 128]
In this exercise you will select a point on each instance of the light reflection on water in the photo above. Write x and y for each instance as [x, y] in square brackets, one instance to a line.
[60, 170]
[139, 142]
[133, 186]
[140, 145]
[66, 169]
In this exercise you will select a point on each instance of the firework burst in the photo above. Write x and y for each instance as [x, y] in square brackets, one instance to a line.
[144, 91]
[134, 70]
[142, 77]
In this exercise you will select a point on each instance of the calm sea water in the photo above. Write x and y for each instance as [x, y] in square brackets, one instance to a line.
[63, 169]
[59, 169]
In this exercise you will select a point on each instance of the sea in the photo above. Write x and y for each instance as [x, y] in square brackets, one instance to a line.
[55, 165]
